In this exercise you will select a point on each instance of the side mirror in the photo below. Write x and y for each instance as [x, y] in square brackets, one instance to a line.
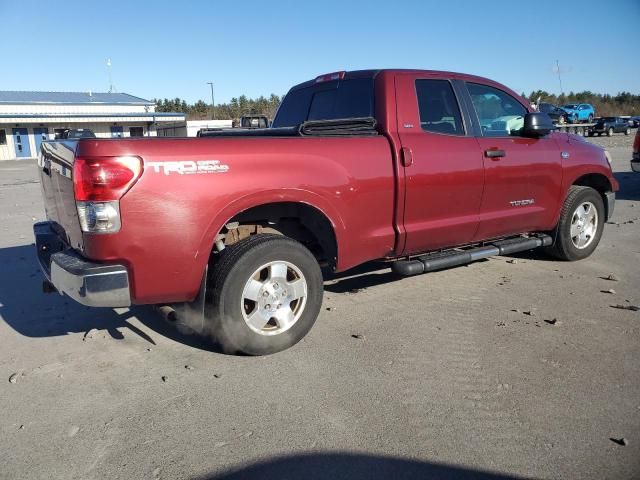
[537, 124]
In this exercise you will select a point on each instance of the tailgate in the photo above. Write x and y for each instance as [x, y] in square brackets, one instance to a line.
[55, 165]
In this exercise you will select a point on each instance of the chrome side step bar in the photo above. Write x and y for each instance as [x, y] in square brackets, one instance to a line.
[454, 258]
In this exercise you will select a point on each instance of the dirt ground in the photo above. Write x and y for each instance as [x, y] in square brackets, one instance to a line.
[512, 367]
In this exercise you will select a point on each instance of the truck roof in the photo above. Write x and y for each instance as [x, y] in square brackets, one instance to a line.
[372, 73]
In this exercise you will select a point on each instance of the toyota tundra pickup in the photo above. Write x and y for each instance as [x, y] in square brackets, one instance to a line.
[425, 170]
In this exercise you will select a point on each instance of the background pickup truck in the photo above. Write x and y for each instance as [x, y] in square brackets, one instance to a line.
[423, 169]
[609, 126]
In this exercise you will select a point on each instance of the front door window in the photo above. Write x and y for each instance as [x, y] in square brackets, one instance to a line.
[499, 114]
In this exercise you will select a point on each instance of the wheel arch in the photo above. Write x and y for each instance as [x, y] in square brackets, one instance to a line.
[322, 227]
[298, 220]
[600, 183]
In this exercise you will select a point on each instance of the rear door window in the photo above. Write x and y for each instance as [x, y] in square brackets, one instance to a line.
[327, 101]
[438, 107]
[499, 114]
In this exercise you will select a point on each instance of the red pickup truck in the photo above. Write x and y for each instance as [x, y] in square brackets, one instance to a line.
[423, 169]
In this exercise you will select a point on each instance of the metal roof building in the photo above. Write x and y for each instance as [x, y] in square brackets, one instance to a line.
[28, 118]
[71, 98]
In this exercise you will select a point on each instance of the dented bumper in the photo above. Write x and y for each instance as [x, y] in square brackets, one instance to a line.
[89, 283]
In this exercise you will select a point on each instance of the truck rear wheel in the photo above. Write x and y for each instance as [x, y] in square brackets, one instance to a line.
[580, 227]
[267, 294]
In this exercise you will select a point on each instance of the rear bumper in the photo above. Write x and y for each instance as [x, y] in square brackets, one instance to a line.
[89, 283]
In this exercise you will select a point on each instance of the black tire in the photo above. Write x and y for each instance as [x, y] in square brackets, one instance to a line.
[609, 132]
[564, 247]
[224, 316]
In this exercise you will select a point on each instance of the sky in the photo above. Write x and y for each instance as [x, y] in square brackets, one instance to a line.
[173, 48]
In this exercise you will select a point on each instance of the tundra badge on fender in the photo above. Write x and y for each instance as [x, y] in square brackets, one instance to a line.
[522, 203]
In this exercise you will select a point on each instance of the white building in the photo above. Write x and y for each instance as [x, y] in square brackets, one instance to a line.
[27, 118]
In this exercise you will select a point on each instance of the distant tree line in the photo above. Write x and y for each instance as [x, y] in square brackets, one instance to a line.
[235, 109]
[624, 103]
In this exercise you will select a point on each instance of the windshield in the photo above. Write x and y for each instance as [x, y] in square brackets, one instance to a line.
[327, 101]
[570, 105]
[609, 119]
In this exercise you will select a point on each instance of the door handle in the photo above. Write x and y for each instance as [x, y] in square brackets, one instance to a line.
[494, 153]
[407, 156]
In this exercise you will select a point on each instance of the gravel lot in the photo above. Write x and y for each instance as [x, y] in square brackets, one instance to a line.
[443, 375]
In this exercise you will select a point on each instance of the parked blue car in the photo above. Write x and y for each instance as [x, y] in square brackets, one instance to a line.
[579, 112]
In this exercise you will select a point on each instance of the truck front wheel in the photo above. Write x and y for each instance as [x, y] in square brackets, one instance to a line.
[580, 227]
[267, 294]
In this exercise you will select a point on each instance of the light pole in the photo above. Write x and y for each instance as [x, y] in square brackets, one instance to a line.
[213, 105]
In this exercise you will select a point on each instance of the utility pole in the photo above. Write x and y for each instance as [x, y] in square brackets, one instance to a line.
[559, 77]
[213, 105]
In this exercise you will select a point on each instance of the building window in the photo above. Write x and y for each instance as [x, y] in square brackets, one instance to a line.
[136, 132]
[3, 137]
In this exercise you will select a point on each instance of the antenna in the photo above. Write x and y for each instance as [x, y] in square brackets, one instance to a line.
[559, 76]
[109, 72]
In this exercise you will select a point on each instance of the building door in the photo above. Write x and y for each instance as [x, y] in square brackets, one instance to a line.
[21, 142]
[116, 132]
[41, 134]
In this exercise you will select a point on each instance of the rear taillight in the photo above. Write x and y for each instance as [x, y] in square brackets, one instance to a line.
[99, 184]
[106, 178]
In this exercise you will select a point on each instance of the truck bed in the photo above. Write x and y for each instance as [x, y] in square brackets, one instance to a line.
[191, 187]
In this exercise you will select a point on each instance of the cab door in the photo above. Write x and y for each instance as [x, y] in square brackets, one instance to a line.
[523, 176]
[441, 162]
